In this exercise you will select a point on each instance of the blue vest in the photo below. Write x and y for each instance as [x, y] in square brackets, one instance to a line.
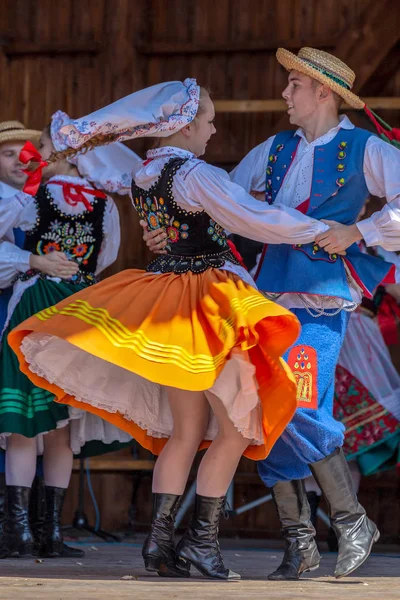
[338, 192]
[5, 295]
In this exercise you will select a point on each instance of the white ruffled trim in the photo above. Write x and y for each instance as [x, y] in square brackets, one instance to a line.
[94, 381]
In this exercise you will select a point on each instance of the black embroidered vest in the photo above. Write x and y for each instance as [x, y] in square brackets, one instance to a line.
[195, 241]
[78, 236]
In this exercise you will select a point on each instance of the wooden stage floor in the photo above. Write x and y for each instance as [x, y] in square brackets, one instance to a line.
[115, 572]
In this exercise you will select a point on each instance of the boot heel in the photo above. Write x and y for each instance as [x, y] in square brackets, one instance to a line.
[183, 563]
[152, 563]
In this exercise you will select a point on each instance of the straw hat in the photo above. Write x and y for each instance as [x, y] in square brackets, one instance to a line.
[14, 131]
[325, 68]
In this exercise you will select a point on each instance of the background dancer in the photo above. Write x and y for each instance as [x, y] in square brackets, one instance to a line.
[13, 261]
[76, 227]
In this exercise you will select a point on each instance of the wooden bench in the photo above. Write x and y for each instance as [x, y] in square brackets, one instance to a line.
[117, 463]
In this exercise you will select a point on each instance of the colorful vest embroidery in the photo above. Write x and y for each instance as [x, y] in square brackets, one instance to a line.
[338, 192]
[195, 241]
[79, 236]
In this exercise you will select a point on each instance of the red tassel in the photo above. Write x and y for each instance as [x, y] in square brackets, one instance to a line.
[388, 133]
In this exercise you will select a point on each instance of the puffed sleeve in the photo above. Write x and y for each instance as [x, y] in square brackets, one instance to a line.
[13, 260]
[10, 212]
[381, 170]
[229, 205]
[112, 236]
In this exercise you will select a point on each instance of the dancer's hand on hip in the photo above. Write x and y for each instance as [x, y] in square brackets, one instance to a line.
[338, 237]
[155, 240]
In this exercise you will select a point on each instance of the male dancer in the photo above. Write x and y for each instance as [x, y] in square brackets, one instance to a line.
[326, 169]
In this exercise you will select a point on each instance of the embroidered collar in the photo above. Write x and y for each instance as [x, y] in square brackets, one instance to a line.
[344, 123]
[70, 179]
[167, 151]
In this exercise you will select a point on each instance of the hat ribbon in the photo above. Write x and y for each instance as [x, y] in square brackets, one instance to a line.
[327, 73]
[28, 154]
[385, 131]
[74, 193]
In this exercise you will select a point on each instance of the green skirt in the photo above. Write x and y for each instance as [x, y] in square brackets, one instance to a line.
[25, 408]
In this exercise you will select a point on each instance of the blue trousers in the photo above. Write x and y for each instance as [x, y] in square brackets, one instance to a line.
[313, 433]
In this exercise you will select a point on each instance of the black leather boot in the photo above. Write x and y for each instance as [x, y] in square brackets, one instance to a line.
[355, 532]
[199, 545]
[37, 509]
[19, 535]
[52, 538]
[3, 517]
[301, 553]
[158, 549]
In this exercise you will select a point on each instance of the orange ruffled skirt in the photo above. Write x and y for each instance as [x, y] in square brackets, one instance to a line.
[115, 348]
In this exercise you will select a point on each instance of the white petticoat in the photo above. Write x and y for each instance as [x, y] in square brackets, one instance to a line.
[84, 427]
[111, 388]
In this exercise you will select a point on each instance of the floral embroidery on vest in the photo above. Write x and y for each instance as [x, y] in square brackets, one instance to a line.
[195, 241]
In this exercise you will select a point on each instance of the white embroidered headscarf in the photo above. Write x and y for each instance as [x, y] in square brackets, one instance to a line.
[156, 111]
[108, 167]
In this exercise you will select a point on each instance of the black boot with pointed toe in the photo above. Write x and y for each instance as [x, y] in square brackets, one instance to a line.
[159, 549]
[199, 546]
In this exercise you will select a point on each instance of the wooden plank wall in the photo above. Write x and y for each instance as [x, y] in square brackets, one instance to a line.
[78, 55]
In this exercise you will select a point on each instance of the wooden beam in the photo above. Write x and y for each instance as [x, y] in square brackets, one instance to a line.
[159, 48]
[116, 463]
[55, 48]
[260, 106]
[383, 74]
[365, 42]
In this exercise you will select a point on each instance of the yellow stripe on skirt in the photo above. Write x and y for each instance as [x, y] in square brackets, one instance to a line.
[173, 330]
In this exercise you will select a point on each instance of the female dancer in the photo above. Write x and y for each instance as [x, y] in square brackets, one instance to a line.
[78, 227]
[187, 353]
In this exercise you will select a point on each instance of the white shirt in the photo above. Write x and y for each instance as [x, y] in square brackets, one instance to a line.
[12, 258]
[381, 171]
[198, 186]
[20, 211]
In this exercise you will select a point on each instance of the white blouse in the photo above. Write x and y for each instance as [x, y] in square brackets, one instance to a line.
[198, 186]
[13, 260]
[20, 211]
